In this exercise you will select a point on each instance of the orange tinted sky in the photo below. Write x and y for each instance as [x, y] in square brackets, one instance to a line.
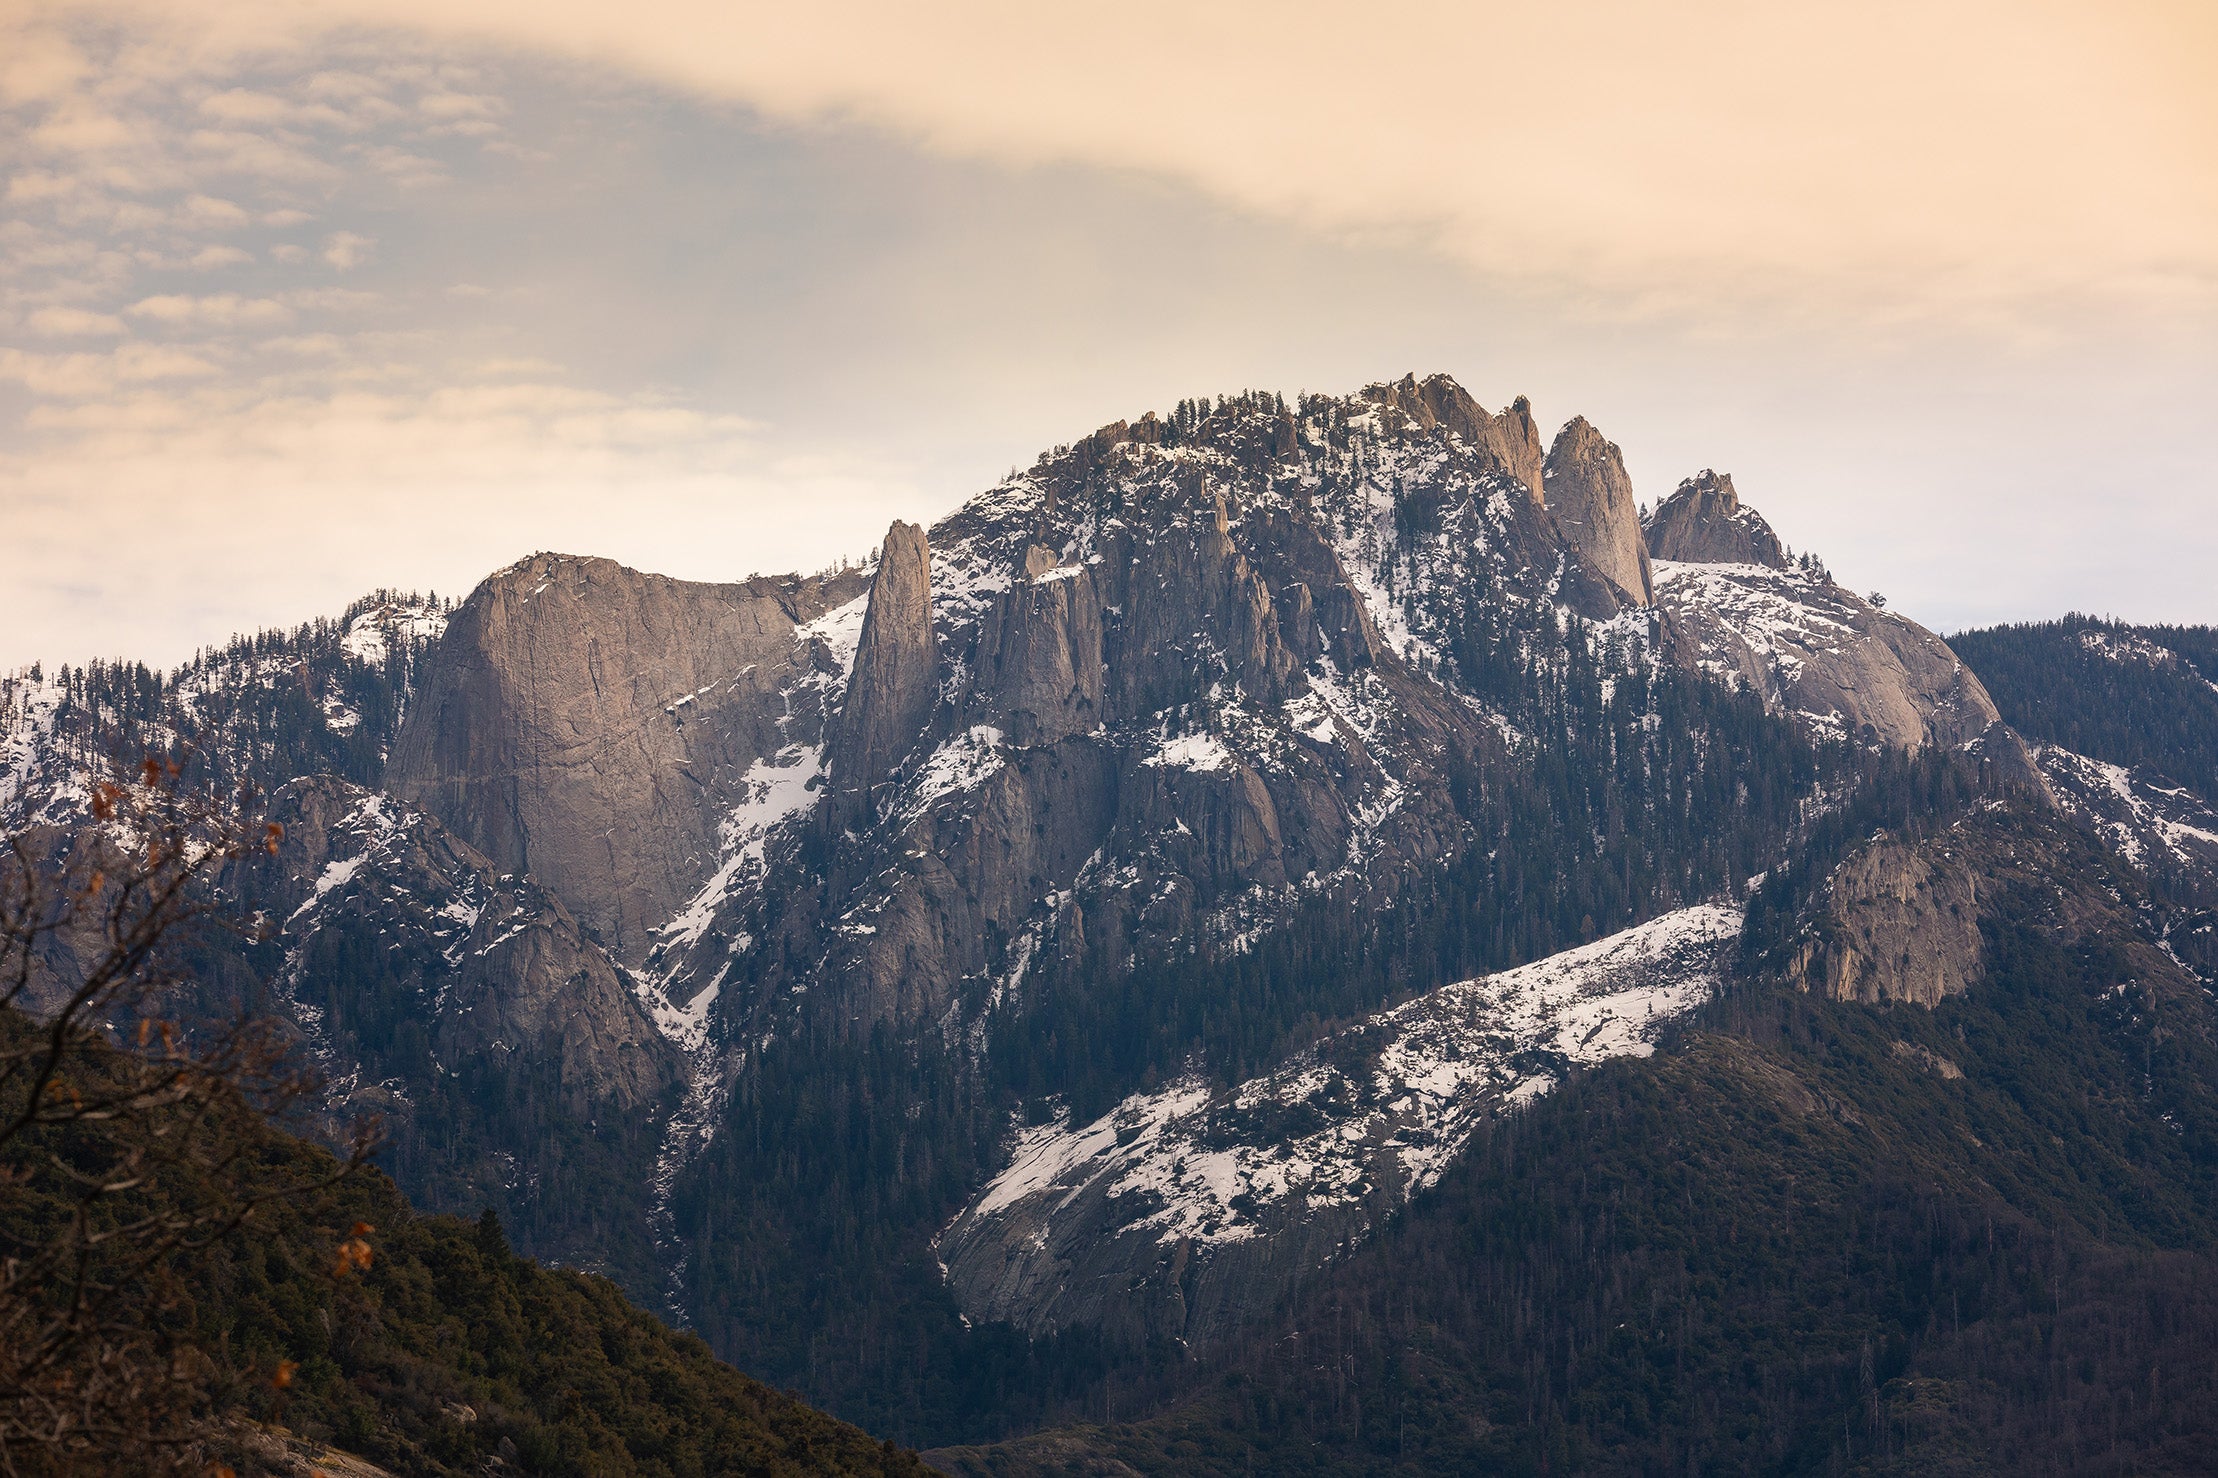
[394, 290]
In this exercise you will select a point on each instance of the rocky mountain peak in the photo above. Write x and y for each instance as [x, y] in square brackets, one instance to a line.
[1586, 487]
[1703, 522]
[1512, 438]
[895, 682]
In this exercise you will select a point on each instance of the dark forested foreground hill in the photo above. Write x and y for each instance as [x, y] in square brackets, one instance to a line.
[437, 1351]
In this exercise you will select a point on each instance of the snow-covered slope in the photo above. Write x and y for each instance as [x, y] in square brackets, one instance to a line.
[2150, 822]
[1813, 649]
[1172, 1208]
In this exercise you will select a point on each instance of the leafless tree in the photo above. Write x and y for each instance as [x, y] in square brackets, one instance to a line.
[128, 1135]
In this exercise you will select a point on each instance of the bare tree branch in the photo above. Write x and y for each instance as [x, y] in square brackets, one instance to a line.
[126, 1134]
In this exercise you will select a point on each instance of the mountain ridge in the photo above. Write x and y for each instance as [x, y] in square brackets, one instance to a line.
[1128, 818]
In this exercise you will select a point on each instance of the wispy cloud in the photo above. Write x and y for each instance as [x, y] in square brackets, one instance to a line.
[346, 250]
[1899, 153]
[75, 323]
[220, 310]
[76, 377]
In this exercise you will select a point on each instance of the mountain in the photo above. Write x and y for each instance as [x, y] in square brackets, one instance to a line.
[424, 982]
[1806, 1234]
[1271, 873]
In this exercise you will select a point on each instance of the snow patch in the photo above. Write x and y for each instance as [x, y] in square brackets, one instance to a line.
[1315, 1134]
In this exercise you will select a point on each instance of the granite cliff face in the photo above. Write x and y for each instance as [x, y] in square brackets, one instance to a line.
[1592, 498]
[896, 668]
[589, 724]
[1899, 923]
[1823, 653]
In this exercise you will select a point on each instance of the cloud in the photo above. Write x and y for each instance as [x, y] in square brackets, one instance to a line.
[208, 210]
[74, 323]
[317, 345]
[39, 64]
[40, 184]
[450, 106]
[219, 310]
[1822, 156]
[83, 376]
[237, 151]
[344, 250]
[239, 105]
[79, 126]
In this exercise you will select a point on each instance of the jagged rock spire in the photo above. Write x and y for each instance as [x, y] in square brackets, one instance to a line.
[1511, 438]
[1588, 491]
[1703, 522]
[895, 682]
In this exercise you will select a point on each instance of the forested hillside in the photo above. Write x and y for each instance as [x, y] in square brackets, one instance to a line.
[421, 1343]
[2128, 695]
[1812, 1237]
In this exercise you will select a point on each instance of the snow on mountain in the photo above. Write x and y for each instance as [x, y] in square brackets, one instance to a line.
[2149, 822]
[262, 709]
[1810, 648]
[1287, 1168]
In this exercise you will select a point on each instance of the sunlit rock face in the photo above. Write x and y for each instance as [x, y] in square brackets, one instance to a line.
[1811, 648]
[1592, 498]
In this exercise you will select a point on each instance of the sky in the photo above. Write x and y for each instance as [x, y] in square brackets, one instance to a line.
[299, 300]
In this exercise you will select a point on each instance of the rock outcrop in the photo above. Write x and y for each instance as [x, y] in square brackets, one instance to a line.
[592, 725]
[1129, 746]
[1703, 522]
[895, 680]
[508, 1056]
[1509, 441]
[1592, 498]
[1900, 922]
[1175, 679]
[1823, 653]
[487, 965]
